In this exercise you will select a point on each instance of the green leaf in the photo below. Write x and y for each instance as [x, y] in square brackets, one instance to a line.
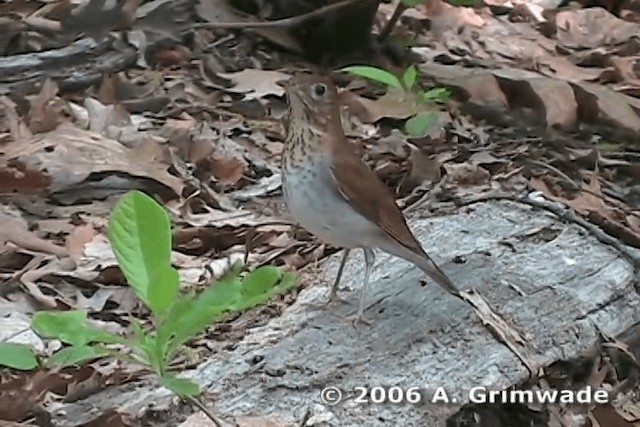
[418, 125]
[146, 351]
[70, 327]
[264, 285]
[412, 3]
[376, 74]
[17, 356]
[180, 386]
[467, 3]
[75, 354]
[95, 335]
[140, 233]
[261, 280]
[409, 77]
[437, 94]
[67, 326]
[189, 317]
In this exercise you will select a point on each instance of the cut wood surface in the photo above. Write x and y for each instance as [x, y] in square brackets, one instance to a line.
[555, 283]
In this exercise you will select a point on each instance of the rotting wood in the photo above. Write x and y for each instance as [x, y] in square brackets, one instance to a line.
[74, 67]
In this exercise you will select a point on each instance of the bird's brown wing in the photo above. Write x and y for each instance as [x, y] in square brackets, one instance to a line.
[369, 196]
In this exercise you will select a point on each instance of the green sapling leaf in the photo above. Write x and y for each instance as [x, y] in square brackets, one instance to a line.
[140, 234]
[376, 74]
[18, 356]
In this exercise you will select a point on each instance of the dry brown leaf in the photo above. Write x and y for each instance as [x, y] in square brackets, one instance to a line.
[14, 231]
[607, 416]
[20, 395]
[112, 418]
[466, 174]
[582, 29]
[422, 169]
[107, 120]
[603, 104]
[77, 240]
[46, 109]
[256, 84]
[228, 171]
[67, 156]
[12, 122]
[395, 104]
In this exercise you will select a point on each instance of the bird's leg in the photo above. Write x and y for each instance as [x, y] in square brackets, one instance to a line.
[370, 259]
[333, 296]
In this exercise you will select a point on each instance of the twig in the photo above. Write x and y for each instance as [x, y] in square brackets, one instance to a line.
[285, 22]
[577, 186]
[564, 213]
[204, 409]
[388, 26]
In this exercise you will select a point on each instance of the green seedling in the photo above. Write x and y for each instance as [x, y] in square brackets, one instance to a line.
[140, 234]
[419, 121]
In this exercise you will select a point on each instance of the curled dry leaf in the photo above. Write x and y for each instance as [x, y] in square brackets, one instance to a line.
[62, 159]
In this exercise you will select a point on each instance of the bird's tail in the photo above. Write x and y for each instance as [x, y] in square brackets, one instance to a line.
[432, 270]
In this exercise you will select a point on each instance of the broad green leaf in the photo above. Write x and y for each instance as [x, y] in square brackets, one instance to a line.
[180, 386]
[467, 3]
[418, 125]
[270, 287]
[409, 77]
[437, 94]
[71, 327]
[145, 348]
[261, 280]
[95, 335]
[67, 326]
[164, 288]
[376, 74]
[17, 356]
[140, 233]
[287, 281]
[189, 318]
[75, 354]
[412, 3]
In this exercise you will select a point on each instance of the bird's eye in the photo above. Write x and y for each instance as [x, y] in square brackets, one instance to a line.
[319, 90]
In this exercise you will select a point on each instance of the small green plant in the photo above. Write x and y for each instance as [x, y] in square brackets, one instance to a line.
[140, 234]
[420, 121]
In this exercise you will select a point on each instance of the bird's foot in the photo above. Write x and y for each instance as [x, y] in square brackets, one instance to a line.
[335, 299]
[358, 320]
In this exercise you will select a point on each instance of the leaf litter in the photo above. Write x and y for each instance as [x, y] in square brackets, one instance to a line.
[198, 123]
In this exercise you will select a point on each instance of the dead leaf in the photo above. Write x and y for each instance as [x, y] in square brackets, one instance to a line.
[256, 84]
[64, 158]
[422, 170]
[46, 110]
[77, 239]
[466, 174]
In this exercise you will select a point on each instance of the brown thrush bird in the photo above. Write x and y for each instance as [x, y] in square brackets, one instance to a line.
[333, 194]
